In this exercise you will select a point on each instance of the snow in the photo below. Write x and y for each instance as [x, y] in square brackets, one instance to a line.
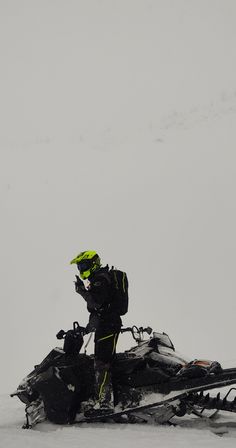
[188, 432]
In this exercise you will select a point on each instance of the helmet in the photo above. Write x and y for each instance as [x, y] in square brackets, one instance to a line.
[87, 263]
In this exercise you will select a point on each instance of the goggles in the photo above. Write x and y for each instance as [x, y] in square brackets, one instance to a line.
[84, 265]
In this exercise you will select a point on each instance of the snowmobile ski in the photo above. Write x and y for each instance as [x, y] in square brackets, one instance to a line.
[170, 398]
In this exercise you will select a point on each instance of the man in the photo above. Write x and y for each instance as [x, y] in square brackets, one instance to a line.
[96, 286]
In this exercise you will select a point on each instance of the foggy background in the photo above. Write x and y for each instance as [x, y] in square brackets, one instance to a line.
[117, 134]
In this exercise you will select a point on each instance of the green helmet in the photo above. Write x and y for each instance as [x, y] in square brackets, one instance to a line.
[87, 263]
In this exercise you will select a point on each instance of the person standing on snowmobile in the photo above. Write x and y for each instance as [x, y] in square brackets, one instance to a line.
[94, 284]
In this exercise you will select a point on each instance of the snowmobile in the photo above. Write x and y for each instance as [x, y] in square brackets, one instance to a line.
[151, 382]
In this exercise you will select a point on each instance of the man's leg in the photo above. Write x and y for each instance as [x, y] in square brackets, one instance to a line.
[105, 349]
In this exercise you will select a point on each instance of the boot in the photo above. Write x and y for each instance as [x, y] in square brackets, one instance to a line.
[104, 402]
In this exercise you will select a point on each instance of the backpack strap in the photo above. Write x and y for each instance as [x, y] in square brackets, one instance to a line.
[124, 277]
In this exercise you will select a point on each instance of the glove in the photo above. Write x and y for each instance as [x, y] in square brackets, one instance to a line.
[60, 334]
[93, 323]
[79, 286]
[89, 328]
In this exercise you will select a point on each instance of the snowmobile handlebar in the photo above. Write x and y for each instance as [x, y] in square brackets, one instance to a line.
[137, 332]
[77, 329]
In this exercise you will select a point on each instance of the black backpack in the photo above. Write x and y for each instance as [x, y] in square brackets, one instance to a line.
[120, 286]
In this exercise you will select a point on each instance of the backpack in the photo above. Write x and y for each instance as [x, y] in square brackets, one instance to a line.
[120, 286]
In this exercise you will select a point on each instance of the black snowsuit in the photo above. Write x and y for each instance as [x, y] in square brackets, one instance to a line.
[106, 322]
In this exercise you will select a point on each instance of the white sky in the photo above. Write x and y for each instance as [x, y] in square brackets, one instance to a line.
[117, 134]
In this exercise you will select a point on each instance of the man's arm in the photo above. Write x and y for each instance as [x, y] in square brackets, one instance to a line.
[97, 294]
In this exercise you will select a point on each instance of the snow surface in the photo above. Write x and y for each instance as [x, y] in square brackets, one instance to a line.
[189, 432]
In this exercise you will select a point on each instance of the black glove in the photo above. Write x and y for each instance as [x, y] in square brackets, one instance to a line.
[93, 323]
[79, 286]
[90, 328]
[60, 334]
